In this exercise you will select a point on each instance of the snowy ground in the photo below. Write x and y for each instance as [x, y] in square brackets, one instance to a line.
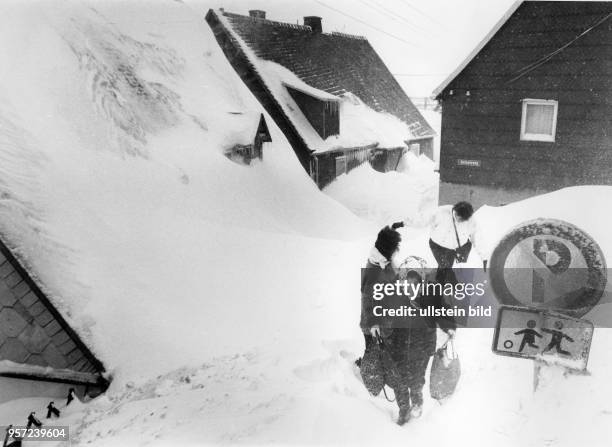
[224, 299]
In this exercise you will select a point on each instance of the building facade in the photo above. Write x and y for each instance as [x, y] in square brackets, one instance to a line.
[309, 82]
[529, 111]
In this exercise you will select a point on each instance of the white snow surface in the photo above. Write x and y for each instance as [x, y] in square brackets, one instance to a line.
[224, 299]
[410, 193]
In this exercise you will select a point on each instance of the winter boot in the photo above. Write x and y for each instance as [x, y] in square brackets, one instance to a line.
[416, 399]
[404, 416]
[416, 411]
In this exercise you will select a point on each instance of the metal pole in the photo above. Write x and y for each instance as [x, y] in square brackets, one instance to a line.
[536, 374]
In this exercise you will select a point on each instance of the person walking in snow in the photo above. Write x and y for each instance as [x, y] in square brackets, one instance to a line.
[33, 420]
[452, 235]
[412, 347]
[52, 410]
[71, 396]
[378, 270]
[409, 347]
[16, 440]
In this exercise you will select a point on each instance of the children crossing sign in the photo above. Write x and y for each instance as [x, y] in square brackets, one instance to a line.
[543, 335]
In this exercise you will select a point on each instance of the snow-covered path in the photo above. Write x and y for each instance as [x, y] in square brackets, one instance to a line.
[224, 300]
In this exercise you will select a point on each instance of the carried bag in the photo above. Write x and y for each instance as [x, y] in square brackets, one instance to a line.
[445, 372]
[377, 368]
[462, 252]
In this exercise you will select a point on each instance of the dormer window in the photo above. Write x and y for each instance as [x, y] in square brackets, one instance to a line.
[321, 111]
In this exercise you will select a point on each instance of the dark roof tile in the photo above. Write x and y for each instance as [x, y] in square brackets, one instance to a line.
[335, 63]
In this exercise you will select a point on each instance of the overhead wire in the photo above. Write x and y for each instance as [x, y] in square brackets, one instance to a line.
[363, 22]
[529, 68]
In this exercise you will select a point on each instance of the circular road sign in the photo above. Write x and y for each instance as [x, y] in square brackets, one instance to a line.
[549, 264]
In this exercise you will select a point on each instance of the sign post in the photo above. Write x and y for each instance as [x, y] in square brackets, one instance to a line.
[544, 336]
[548, 274]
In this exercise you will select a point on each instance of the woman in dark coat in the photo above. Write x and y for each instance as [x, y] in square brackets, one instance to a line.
[409, 347]
[378, 270]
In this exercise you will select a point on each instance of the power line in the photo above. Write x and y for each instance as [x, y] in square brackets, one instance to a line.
[365, 23]
[395, 14]
[381, 10]
[411, 6]
[529, 68]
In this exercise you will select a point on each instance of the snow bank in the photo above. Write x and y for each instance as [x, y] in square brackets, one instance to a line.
[410, 194]
[583, 206]
[116, 193]
[224, 299]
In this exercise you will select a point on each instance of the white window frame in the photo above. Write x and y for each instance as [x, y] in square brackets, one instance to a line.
[539, 136]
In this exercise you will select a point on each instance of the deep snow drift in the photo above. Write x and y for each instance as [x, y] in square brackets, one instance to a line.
[224, 299]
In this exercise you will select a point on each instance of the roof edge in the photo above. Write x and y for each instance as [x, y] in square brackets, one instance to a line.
[478, 48]
[16, 264]
[31, 372]
[288, 25]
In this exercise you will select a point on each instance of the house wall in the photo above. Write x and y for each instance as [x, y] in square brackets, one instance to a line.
[13, 388]
[480, 138]
[426, 146]
[327, 162]
[318, 113]
[382, 160]
[385, 160]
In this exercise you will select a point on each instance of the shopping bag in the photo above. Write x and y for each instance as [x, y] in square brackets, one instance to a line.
[377, 368]
[445, 372]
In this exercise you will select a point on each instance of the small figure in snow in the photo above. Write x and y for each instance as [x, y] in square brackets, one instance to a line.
[71, 396]
[33, 420]
[557, 338]
[52, 411]
[529, 335]
[16, 440]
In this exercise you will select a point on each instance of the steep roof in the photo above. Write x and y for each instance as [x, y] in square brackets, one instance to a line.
[574, 17]
[333, 63]
[477, 48]
[35, 340]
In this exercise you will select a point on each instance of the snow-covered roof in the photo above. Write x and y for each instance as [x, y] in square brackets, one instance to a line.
[373, 108]
[36, 340]
[478, 48]
[243, 126]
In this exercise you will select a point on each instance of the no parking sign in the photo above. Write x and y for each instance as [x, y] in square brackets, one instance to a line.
[549, 264]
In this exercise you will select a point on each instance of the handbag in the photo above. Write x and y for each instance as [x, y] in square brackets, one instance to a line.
[445, 372]
[462, 252]
[377, 368]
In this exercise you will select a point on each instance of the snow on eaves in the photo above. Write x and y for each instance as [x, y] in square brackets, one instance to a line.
[360, 125]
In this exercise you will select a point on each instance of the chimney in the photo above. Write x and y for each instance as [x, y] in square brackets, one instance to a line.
[314, 23]
[257, 14]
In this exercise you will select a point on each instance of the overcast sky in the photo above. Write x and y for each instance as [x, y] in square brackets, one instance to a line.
[421, 41]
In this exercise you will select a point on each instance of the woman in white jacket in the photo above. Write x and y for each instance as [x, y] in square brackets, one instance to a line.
[452, 236]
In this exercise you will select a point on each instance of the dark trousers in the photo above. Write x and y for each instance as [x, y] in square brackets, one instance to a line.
[445, 257]
[409, 391]
[368, 340]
